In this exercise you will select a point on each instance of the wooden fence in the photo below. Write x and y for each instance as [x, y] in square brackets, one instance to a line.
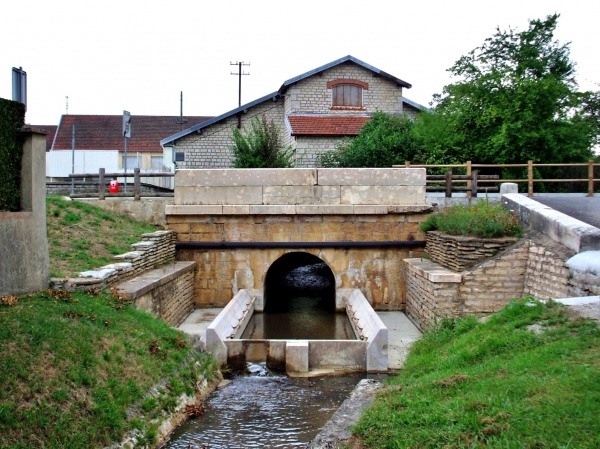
[530, 180]
[137, 184]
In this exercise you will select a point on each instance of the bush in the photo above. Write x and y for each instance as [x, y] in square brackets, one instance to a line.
[480, 220]
[385, 140]
[12, 119]
[260, 146]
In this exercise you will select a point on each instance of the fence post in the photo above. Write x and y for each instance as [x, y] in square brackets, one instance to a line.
[136, 184]
[101, 184]
[474, 184]
[530, 179]
[406, 164]
[590, 178]
[449, 184]
[469, 182]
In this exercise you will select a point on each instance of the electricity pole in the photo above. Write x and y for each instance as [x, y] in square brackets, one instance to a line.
[239, 73]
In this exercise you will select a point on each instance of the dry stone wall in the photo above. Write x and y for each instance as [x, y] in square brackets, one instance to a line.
[457, 252]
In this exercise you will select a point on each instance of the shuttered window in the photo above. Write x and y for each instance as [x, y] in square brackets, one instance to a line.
[346, 95]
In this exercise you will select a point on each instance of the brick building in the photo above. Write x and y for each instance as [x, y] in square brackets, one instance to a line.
[313, 111]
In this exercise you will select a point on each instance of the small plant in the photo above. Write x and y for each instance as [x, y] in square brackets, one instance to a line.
[260, 146]
[483, 220]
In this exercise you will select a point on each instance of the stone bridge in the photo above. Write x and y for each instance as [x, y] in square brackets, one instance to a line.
[235, 223]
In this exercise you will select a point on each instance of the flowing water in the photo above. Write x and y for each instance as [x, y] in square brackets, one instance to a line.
[265, 410]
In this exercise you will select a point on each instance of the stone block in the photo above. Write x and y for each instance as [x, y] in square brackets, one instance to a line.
[378, 195]
[245, 177]
[371, 176]
[296, 356]
[193, 210]
[218, 195]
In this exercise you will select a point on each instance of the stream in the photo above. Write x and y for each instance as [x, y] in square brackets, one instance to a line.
[261, 409]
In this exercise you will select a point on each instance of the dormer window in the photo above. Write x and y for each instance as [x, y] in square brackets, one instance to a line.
[347, 93]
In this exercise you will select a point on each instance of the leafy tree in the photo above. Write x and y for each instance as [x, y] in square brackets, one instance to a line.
[515, 99]
[383, 141]
[260, 146]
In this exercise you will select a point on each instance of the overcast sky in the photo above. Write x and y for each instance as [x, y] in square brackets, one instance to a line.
[111, 56]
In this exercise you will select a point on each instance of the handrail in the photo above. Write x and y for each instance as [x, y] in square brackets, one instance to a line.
[530, 166]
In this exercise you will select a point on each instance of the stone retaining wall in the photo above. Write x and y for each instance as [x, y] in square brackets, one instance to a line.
[457, 252]
[155, 249]
[166, 292]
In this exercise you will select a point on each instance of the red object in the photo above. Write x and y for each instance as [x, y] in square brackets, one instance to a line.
[113, 187]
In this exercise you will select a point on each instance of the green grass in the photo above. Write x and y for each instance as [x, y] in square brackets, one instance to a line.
[82, 236]
[494, 385]
[73, 365]
[480, 220]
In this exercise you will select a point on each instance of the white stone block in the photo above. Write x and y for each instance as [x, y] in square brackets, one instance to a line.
[371, 176]
[296, 356]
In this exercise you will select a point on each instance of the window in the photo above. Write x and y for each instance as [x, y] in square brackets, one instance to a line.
[347, 95]
[132, 162]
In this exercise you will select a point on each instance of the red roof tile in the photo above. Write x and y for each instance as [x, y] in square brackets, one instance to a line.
[105, 132]
[326, 125]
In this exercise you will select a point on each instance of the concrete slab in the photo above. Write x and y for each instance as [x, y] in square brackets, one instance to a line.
[402, 333]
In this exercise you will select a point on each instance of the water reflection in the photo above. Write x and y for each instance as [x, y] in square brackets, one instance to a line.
[265, 410]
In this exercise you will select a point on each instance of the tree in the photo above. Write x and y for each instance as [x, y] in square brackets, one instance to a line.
[383, 141]
[515, 100]
[260, 146]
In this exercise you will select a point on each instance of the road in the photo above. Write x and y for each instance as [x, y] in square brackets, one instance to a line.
[586, 209]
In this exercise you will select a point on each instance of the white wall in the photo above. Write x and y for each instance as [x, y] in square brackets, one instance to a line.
[59, 162]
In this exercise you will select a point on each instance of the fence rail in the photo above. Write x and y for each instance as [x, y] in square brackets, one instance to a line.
[137, 185]
[530, 180]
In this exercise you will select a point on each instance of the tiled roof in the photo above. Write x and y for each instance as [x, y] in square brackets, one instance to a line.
[105, 132]
[326, 125]
[51, 132]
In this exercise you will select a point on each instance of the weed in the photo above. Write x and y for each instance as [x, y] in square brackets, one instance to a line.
[483, 220]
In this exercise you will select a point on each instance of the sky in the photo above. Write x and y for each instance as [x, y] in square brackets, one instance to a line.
[111, 56]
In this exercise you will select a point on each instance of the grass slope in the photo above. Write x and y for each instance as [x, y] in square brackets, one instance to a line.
[72, 366]
[82, 236]
[527, 378]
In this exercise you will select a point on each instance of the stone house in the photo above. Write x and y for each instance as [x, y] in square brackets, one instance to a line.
[313, 111]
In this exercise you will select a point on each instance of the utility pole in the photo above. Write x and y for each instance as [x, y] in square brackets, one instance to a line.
[239, 73]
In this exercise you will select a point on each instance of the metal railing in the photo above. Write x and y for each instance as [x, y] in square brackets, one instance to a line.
[530, 180]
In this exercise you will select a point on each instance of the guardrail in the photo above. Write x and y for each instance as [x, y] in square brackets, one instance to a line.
[530, 180]
[473, 183]
[137, 185]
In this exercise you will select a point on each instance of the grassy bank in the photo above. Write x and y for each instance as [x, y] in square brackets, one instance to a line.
[77, 369]
[73, 365]
[527, 378]
[82, 236]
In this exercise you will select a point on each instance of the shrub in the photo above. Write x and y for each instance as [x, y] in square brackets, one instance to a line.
[480, 220]
[260, 146]
[12, 119]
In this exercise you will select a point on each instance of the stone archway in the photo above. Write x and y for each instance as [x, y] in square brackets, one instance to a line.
[299, 281]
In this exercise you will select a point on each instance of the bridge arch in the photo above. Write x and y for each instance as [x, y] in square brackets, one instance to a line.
[299, 281]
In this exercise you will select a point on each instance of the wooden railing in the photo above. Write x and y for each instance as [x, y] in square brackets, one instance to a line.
[137, 184]
[530, 180]
[451, 180]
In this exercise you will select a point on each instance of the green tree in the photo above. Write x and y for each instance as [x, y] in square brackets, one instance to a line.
[383, 141]
[260, 146]
[515, 99]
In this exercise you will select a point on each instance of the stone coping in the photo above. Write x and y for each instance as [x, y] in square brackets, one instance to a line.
[568, 231]
[260, 209]
[149, 280]
[432, 271]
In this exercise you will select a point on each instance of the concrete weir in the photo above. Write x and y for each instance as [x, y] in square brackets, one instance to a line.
[368, 352]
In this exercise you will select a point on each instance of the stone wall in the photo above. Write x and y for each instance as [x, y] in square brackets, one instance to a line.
[166, 292]
[458, 252]
[492, 284]
[155, 249]
[212, 147]
[309, 149]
